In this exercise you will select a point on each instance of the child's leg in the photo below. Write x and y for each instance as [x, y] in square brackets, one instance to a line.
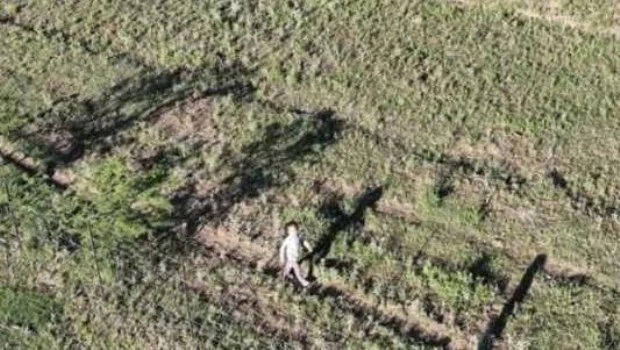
[286, 270]
[298, 275]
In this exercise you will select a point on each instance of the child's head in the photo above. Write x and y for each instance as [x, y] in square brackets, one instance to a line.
[291, 227]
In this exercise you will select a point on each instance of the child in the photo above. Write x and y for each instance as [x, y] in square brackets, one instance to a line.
[289, 252]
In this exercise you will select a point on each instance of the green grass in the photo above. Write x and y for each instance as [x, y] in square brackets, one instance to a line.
[26, 309]
[26, 317]
[492, 125]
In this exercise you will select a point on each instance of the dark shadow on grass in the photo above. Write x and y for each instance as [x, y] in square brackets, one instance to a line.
[74, 127]
[342, 221]
[496, 326]
[483, 271]
[444, 187]
[600, 206]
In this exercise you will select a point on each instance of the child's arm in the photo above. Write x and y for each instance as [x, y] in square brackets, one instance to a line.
[306, 245]
[283, 251]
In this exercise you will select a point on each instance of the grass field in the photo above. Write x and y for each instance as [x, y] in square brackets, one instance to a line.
[455, 161]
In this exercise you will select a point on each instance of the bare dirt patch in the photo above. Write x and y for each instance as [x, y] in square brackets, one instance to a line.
[526, 216]
[234, 246]
[59, 177]
[190, 119]
[400, 210]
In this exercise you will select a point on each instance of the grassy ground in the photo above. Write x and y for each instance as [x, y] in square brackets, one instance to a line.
[455, 161]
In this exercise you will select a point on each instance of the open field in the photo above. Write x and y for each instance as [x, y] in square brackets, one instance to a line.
[455, 162]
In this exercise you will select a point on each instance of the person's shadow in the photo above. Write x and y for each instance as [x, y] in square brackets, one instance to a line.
[341, 221]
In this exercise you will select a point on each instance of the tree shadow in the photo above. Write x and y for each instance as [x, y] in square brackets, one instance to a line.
[497, 326]
[73, 127]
